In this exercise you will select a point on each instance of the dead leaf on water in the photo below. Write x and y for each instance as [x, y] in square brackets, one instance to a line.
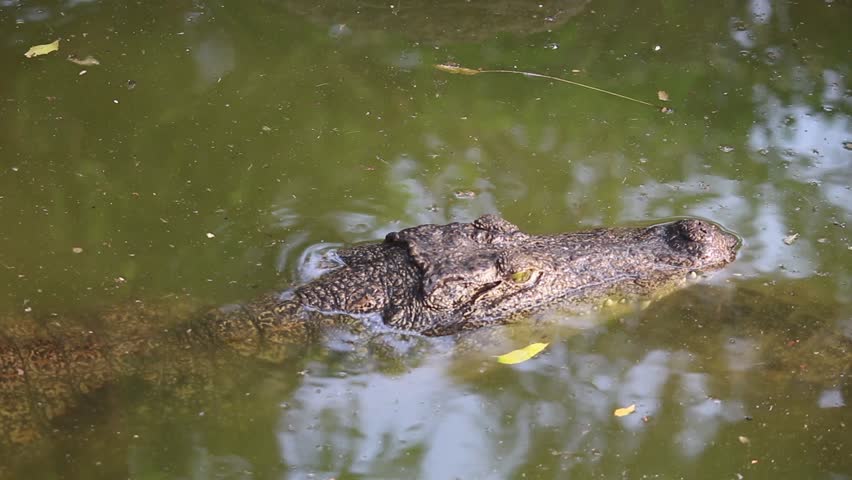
[459, 70]
[523, 354]
[85, 62]
[623, 412]
[37, 50]
[663, 95]
[789, 239]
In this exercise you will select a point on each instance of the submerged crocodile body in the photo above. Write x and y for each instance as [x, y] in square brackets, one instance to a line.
[431, 279]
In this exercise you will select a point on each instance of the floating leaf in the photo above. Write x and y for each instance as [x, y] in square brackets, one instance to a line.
[37, 50]
[663, 95]
[623, 412]
[522, 355]
[446, 67]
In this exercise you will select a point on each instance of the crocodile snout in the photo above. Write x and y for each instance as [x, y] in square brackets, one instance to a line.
[715, 246]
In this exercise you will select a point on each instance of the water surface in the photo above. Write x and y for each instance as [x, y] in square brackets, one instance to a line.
[217, 145]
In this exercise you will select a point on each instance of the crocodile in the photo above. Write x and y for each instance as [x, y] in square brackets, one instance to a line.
[432, 280]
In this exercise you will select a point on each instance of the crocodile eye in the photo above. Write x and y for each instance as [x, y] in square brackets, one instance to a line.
[521, 277]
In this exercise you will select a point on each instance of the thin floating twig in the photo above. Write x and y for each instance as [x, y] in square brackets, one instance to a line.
[459, 70]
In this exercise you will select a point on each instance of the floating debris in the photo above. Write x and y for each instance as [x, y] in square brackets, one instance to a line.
[85, 62]
[459, 70]
[625, 411]
[789, 239]
[37, 50]
[456, 69]
[465, 194]
[522, 354]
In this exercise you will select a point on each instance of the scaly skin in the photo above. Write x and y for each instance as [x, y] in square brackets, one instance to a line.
[439, 280]
[433, 280]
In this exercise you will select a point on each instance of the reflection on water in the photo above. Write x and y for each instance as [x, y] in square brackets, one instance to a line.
[285, 130]
[422, 418]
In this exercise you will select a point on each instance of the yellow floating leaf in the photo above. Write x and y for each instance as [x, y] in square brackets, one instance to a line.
[446, 67]
[623, 412]
[663, 95]
[522, 355]
[37, 50]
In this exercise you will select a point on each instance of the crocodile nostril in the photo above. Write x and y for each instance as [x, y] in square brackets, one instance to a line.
[681, 234]
[702, 238]
[693, 230]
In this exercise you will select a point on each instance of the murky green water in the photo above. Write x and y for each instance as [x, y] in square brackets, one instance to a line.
[217, 144]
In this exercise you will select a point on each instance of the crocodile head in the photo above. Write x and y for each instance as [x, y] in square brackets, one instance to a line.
[441, 279]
